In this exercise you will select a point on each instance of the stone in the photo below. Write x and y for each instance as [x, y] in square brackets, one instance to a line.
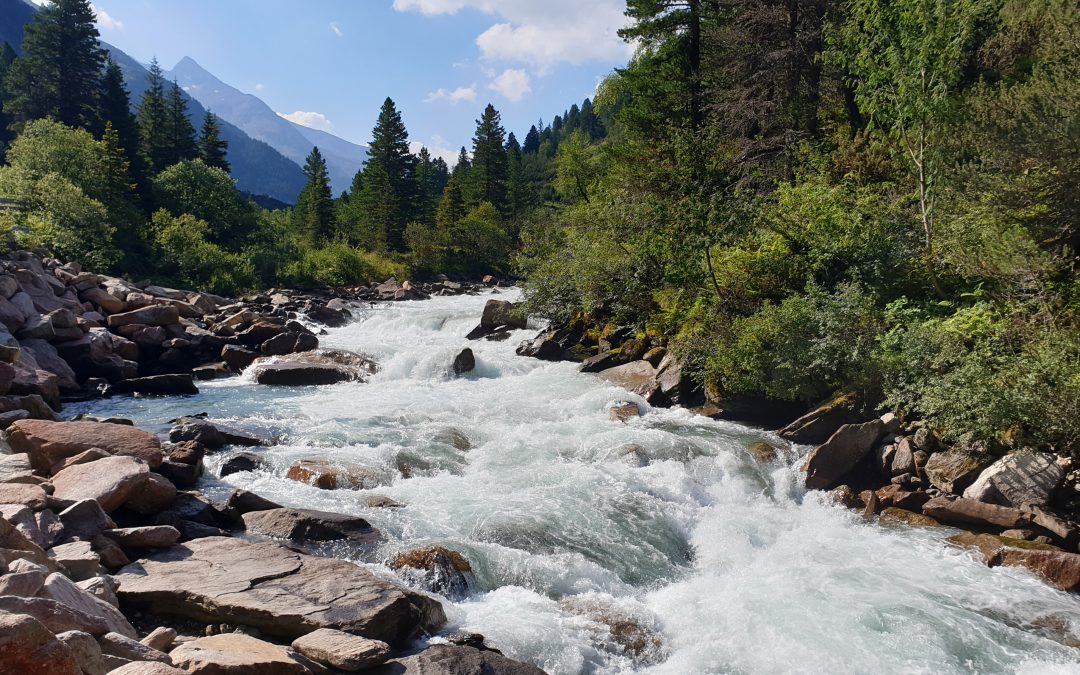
[763, 452]
[91, 455]
[954, 470]
[455, 660]
[280, 344]
[15, 468]
[55, 616]
[383, 502]
[971, 512]
[836, 457]
[604, 360]
[149, 536]
[622, 411]
[308, 525]
[46, 442]
[244, 501]
[28, 647]
[502, 313]
[1017, 479]
[26, 522]
[146, 668]
[161, 638]
[211, 371]
[903, 460]
[234, 654]
[15, 541]
[101, 587]
[151, 315]
[464, 362]
[78, 558]
[47, 358]
[110, 481]
[816, 426]
[176, 384]
[243, 461]
[152, 495]
[211, 435]
[85, 649]
[101, 298]
[895, 495]
[276, 590]
[85, 519]
[892, 514]
[327, 475]
[340, 650]
[128, 648]
[440, 570]
[30, 496]
[238, 358]
[301, 374]
[637, 377]
[258, 333]
[112, 556]
[1059, 568]
[26, 584]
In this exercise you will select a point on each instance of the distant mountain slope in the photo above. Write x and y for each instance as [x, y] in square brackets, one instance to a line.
[258, 120]
[258, 168]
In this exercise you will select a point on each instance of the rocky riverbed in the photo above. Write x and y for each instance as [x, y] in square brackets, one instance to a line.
[402, 488]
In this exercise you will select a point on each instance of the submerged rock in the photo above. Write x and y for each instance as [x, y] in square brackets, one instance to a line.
[309, 525]
[325, 366]
[440, 570]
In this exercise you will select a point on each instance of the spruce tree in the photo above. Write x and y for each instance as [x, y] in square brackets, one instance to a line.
[390, 160]
[451, 207]
[155, 141]
[532, 141]
[462, 168]
[116, 109]
[181, 131]
[425, 191]
[489, 164]
[315, 205]
[118, 191]
[59, 73]
[213, 151]
[517, 188]
[7, 57]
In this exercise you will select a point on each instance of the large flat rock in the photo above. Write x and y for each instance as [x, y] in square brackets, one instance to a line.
[48, 442]
[274, 589]
[109, 481]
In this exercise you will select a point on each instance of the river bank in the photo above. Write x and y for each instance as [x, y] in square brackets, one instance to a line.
[665, 543]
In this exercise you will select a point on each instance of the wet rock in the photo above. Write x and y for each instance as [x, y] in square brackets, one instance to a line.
[234, 654]
[1017, 479]
[464, 362]
[157, 385]
[629, 633]
[971, 512]
[441, 570]
[336, 649]
[110, 481]
[622, 411]
[47, 442]
[954, 470]
[244, 461]
[238, 358]
[28, 647]
[211, 371]
[211, 435]
[276, 590]
[892, 514]
[301, 374]
[244, 501]
[455, 660]
[327, 475]
[638, 377]
[836, 457]
[383, 502]
[763, 452]
[1058, 567]
[309, 525]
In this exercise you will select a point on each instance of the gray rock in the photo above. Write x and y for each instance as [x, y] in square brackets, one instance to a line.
[1017, 479]
[235, 654]
[309, 525]
[954, 470]
[340, 650]
[86, 651]
[455, 660]
[836, 457]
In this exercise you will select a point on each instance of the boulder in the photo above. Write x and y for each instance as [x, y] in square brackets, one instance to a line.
[502, 313]
[20, 546]
[61, 589]
[152, 495]
[327, 475]
[1019, 478]
[1057, 567]
[954, 470]
[91, 455]
[151, 315]
[30, 496]
[146, 668]
[128, 648]
[637, 377]
[56, 617]
[101, 298]
[211, 435]
[301, 374]
[161, 638]
[307, 525]
[151, 536]
[78, 558]
[26, 583]
[110, 481]
[276, 590]
[343, 651]
[437, 569]
[819, 424]
[47, 358]
[28, 647]
[464, 362]
[234, 654]
[837, 456]
[621, 411]
[85, 519]
[238, 358]
[970, 512]
[243, 461]
[86, 650]
[15, 468]
[328, 316]
[176, 384]
[455, 660]
[46, 442]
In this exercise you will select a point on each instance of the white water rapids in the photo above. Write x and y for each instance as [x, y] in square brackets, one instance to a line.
[712, 562]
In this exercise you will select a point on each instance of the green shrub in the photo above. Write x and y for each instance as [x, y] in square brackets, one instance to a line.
[187, 258]
[342, 265]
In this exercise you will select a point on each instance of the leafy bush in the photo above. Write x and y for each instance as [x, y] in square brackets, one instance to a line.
[342, 265]
[188, 258]
[209, 194]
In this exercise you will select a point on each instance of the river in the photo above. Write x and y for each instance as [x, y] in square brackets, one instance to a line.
[704, 559]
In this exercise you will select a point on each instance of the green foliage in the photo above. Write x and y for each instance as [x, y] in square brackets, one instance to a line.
[385, 203]
[212, 149]
[188, 257]
[208, 194]
[315, 205]
[490, 170]
[341, 265]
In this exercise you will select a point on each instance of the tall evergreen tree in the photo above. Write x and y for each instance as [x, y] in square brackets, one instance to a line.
[425, 192]
[532, 141]
[489, 164]
[59, 73]
[7, 57]
[315, 206]
[116, 110]
[181, 131]
[462, 168]
[451, 207]
[390, 161]
[517, 188]
[155, 138]
[212, 149]
[118, 194]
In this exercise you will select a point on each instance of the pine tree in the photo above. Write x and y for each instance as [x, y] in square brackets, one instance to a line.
[59, 73]
[315, 206]
[517, 188]
[181, 131]
[155, 142]
[389, 158]
[532, 141]
[7, 57]
[425, 192]
[118, 191]
[451, 206]
[462, 168]
[213, 151]
[489, 164]
[116, 109]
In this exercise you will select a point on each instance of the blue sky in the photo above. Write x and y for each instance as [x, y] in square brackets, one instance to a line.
[330, 63]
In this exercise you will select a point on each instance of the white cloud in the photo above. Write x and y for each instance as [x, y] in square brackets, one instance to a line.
[312, 120]
[542, 34]
[336, 28]
[513, 83]
[259, 87]
[453, 97]
[438, 147]
[104, 20]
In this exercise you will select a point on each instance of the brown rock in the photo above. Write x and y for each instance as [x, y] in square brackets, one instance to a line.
[110, 481]
[971, 512]
[954, 470]
[27, 647]
[86, 651]
[1058, 567]
[637, 377]
[152, 495]
[47, 442]
[151, 536]
[125, 647]
[55, 616]
[279, 591]
[892, 514]
[326, 475]
[91, 455]
[146, 668]
[763, 452]
[234, 654]
[30, 496]
[833, 459]
[152, 315]
[161, 638]
[308, 525]
[819, 424]
[78, 558]
[623, 411]
[340, 650]
[455, 660]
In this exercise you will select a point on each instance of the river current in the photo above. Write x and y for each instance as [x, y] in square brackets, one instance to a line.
[657, 546]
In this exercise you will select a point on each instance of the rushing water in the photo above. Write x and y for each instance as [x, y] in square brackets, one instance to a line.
[688, 550]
